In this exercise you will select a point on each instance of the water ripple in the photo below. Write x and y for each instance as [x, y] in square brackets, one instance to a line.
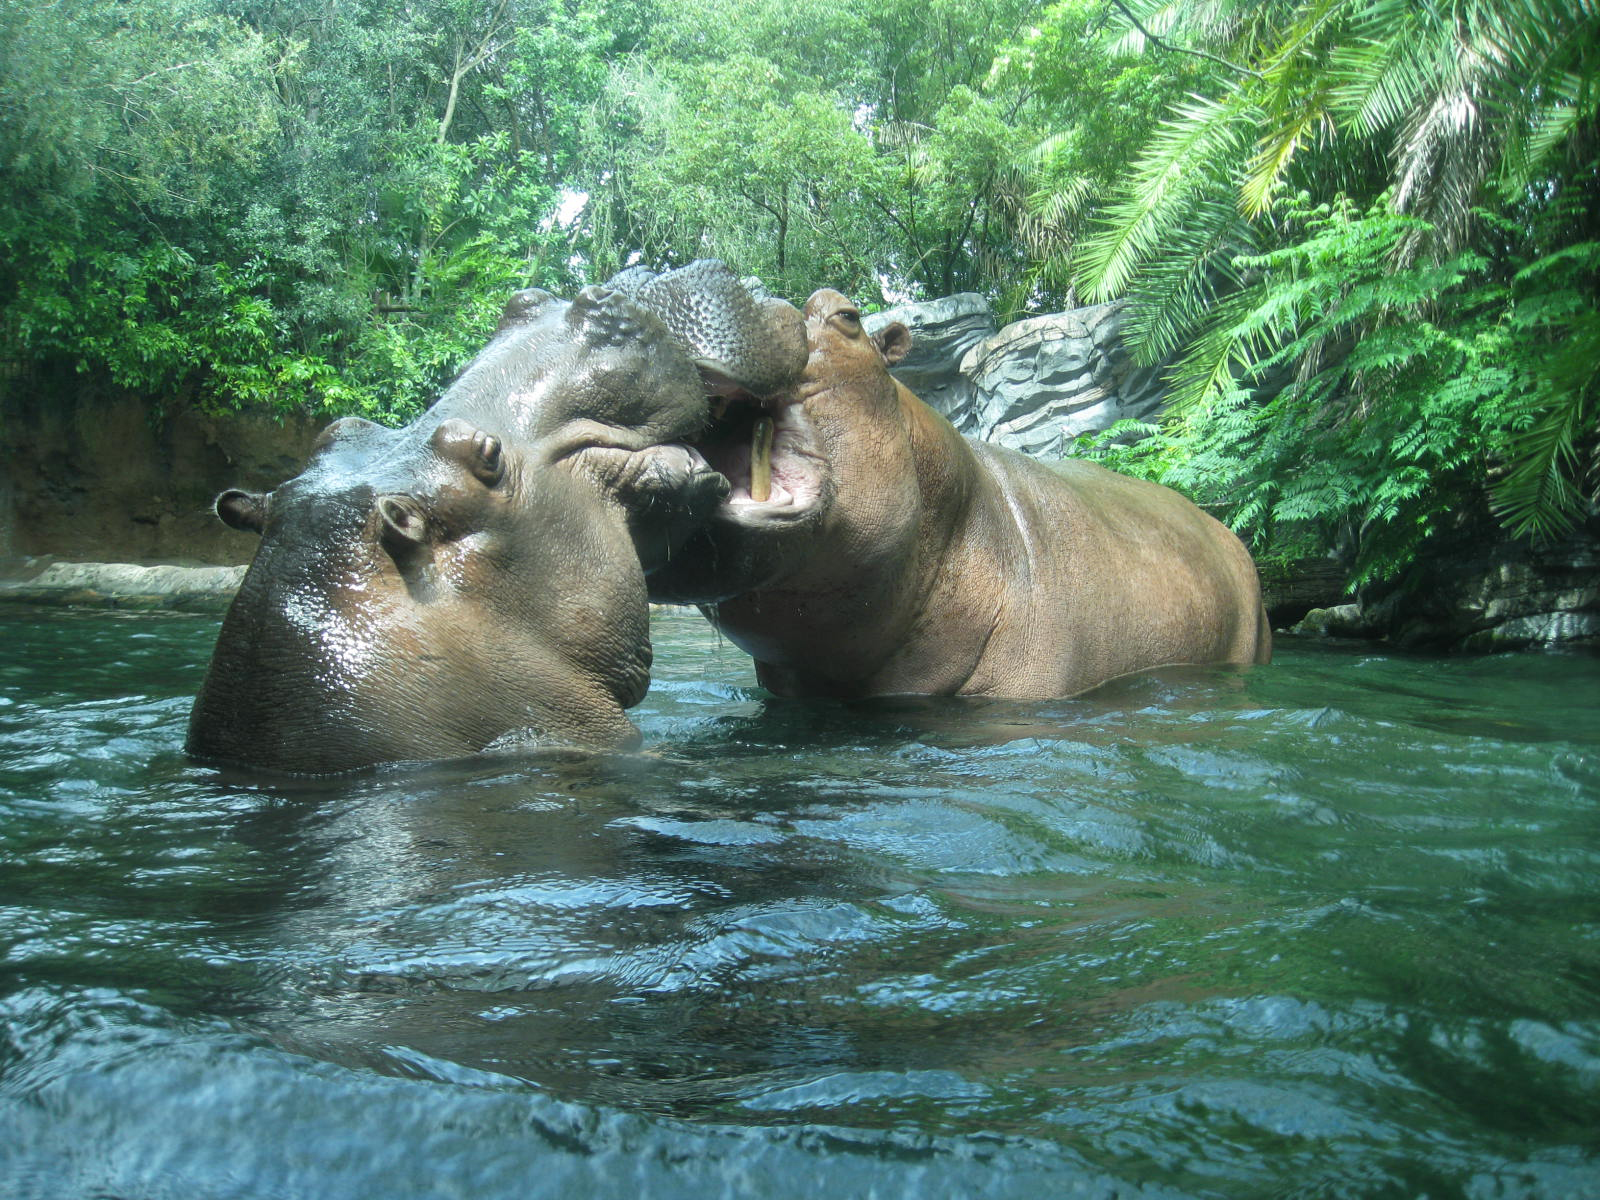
[1327, 928]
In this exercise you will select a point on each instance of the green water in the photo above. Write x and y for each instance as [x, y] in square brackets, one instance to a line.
[1329, 928]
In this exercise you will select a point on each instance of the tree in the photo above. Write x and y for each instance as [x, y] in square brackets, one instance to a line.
[120, 125]
[292, 202]
[1371, 242]
[871, 154]
[1095, 107]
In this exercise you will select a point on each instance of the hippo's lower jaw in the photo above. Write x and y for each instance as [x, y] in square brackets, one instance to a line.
[770, 454]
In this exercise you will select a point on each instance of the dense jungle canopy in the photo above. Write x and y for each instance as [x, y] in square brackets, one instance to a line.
[1364, 233]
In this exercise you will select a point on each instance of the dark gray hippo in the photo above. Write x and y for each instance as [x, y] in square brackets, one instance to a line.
[477, 577]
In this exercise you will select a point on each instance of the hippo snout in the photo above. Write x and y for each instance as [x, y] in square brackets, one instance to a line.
[730, 328]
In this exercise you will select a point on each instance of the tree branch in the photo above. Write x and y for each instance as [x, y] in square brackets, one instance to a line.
[132, 83]
[488, 46]
[1168, 46]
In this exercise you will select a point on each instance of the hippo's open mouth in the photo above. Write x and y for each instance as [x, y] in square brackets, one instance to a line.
[767, 450]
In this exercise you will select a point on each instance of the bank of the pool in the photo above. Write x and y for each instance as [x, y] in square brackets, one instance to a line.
[119, 585]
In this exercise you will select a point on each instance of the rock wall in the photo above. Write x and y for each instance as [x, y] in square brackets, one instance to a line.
[1476, 590]
[104, 478]
[942, 333]
[1034, 385]
[1043, 381]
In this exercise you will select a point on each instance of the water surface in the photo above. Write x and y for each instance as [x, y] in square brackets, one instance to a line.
[1329, 928]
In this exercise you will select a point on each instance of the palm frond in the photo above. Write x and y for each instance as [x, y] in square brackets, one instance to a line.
[1214, 360]
[1276, 150]
[1540, 496]
[1543, 54]
[1045, 150]
[1177, 292]
[1377, 80]
[1157, 19]
[1204, 136]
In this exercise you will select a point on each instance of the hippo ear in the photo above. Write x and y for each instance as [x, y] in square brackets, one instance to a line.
[246, 511]
[894, 342]
[404, 527]
[471, 448]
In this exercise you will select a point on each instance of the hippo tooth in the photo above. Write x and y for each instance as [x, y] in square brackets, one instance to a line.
[761, 461]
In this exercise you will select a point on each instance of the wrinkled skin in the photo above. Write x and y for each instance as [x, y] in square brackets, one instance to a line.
[476, 578]
[894, 556]
[745, 341]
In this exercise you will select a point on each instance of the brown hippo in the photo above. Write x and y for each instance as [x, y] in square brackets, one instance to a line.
[478, 576]
[868, 549]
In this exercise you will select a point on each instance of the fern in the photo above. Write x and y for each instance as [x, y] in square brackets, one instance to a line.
[1387, 411]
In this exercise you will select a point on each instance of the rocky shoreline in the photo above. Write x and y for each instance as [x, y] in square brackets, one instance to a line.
[119, 585]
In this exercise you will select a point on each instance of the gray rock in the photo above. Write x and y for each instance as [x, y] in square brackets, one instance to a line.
[1542, 631]
[1473, 588]
[942, 331]
[120, 585]
[1043, 381]
[1339, 621]
[1034, 385]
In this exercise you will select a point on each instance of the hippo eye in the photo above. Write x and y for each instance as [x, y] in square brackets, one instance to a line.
[849, 319]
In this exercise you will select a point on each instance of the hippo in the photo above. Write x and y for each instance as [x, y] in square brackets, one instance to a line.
[866, 548]
[476, 579]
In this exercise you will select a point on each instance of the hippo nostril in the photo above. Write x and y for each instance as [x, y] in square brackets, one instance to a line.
[479, 451]
[491, 467]
[524, 308]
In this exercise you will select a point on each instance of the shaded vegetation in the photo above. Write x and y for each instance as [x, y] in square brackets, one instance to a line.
[1363, 234]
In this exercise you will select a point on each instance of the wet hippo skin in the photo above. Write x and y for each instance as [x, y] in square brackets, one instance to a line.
[477, 577]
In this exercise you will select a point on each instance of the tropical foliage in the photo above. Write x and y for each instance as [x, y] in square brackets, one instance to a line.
[871, 147]
[297, 203]
[1370, 247]
[1363, 235]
